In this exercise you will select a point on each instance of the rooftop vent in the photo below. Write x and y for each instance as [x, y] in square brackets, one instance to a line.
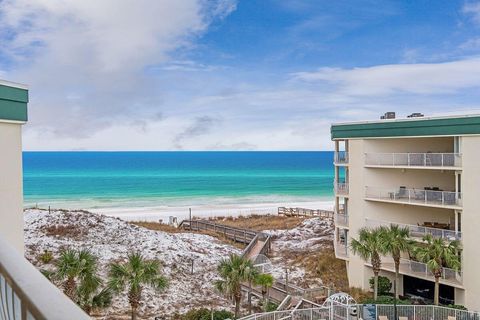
[388, 115]
[415, 115]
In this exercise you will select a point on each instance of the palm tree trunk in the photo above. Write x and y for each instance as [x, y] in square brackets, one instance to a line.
[437, 291]
[250, 297]
[397, 277]
[134, 313]
[237, 305]
[375, 286]
[69, 288]
[267, 299]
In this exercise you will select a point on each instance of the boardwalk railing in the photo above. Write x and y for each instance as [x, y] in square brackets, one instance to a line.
[414, 159]
[26, 294]
[236, 234]
[302, 212]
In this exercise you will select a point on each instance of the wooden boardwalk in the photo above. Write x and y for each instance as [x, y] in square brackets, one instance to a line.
[257, 243]
[302, 212]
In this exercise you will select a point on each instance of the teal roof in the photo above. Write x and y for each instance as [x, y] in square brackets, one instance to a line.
[415, 127]
[13, 102]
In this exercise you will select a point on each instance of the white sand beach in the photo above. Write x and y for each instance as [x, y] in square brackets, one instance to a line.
[182, 212]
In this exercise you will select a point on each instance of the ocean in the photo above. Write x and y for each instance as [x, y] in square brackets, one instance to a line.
[109, 180]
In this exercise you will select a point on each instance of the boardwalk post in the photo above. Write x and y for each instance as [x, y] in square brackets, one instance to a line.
[190, 213]
[245, 236]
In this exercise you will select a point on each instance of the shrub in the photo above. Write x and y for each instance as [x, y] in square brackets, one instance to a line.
[384, 285]
[46, 256]
[457, 306]
[385, 300]
[271, 306]
[206, 314]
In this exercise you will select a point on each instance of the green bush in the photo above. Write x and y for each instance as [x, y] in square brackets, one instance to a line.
[384, 285]
[46, 256]
[271, 306]
[385, 300]
[457, 306]
[206, 314]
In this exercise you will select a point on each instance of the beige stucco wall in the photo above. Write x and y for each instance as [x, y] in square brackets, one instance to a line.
[11, 188]
[470, 148]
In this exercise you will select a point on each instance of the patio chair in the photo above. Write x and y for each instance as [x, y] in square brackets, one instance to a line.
[402, 192]
[452, 318]
[386, 318]
[402, 318]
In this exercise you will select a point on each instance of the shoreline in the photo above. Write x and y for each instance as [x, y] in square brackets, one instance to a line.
[156, 213]
[205, 211]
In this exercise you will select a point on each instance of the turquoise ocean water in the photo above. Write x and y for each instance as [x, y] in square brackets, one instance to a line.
[131, 179]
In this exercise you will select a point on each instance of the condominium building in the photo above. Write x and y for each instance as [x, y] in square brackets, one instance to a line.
[422, 173]
[13, 114]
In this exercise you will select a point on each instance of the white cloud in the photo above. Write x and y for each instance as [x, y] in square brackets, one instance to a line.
[420, 78]
[472, 9]
[86, 61]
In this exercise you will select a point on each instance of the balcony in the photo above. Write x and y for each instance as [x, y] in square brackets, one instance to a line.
[340, 158]
[452, 161]
[26, 294]
[420, 270]
[341, 188]
[341, 220]
[418, 232]
[429, 198]
[341, 250]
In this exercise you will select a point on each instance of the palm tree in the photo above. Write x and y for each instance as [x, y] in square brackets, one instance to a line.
[233, 272]
[134, 274]
[394, 241]
[265, 280]
[436, 253]
[369, 247]
[74, 267]
[92, 297]
[251, 273]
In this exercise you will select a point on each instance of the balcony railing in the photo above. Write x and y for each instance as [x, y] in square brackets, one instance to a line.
[419, 269]
[341, 188]
[417, 231]
[341, 249]
[414, 159]
[340, 157]
[341, 220]
[26, 294]
[415, 196]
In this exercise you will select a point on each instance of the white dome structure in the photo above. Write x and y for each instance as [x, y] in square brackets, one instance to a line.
[340, 299]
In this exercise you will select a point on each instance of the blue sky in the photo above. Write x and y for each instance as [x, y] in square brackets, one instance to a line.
[232, 75]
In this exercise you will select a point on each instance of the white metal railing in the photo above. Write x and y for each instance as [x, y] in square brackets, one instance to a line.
[341, 188]
[417, 231]
[414, 159]
[341, 249]
[420, 269]
[415, 196]
[340, 157]
[26, 294]
[341, 220]
[351, 312]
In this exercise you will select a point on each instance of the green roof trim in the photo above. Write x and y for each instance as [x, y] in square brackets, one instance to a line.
[408, 128]
[13, 103]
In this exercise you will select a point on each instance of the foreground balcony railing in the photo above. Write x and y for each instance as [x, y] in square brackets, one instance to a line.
[417, 231]
[419, 269]
[414, 159]
[341, 188]
[340, 157]
[415, 196]
[26, 294]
